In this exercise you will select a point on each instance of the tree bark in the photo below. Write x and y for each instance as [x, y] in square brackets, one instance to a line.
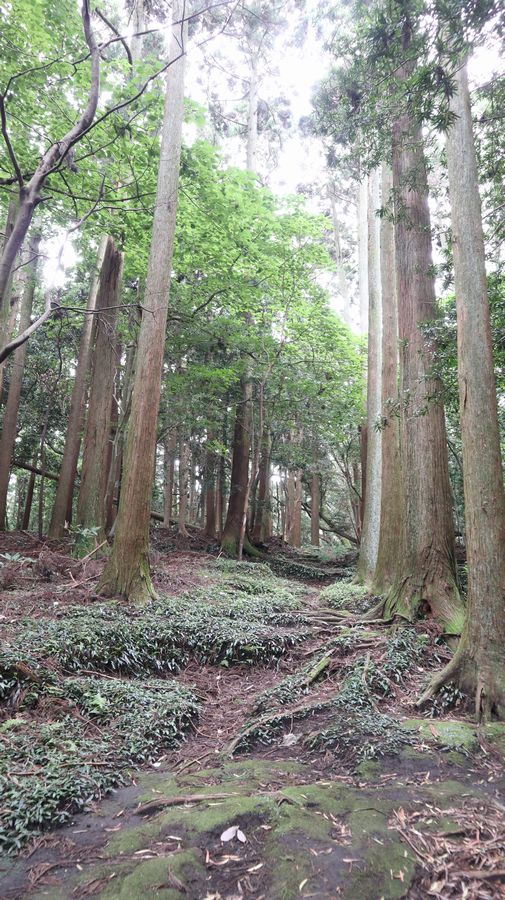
[315, 507]
[390, 532]
[209, 487]
[221, 474]
[91, 512]
[10, 420]
[371, 520]
[425, 579]
[296, 531]
[65, 487]
[29, 497]
[127, 570]
[5, 302]
[113, 455]
[262, 497]
[184, 459]
[169, 445]
[289, 505]
[479, 662]
[239, 474]
[363, 254]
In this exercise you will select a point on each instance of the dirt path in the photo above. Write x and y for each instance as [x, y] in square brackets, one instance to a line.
[355, 801]
[311, 829]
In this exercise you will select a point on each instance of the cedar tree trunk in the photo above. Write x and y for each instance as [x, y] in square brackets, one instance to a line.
[91, 510]
[127, 570]
[425, 579]
[64, 491]
[391, 482]
[10, 420]
[371, 520]
[479, 662]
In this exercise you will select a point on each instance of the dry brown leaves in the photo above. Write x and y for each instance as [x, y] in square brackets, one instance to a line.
[460, 851]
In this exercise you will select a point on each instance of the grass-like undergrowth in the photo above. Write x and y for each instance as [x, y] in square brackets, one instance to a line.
[249, 616]
[344, 595]
[358, 730]
[49, 770]
[69, 735]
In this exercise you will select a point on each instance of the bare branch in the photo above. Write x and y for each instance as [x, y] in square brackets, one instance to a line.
[23, 337]
[116, 32]
[10, 148]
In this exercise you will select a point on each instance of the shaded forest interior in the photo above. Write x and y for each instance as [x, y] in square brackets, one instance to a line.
[252, 395]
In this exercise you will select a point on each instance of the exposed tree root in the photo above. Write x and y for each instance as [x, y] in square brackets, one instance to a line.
[475, 677]
[276, 718]
[447, 674]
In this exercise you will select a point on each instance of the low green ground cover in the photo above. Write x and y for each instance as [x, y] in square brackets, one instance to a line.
[85, 734]
[69, 735]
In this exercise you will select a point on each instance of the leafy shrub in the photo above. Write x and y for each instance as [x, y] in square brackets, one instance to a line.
[212, 625]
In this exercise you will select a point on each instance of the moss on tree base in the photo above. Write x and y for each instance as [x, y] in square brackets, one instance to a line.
[132, 583]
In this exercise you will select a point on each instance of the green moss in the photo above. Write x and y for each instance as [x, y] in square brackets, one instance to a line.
[453, 734]
[494, 732]
[368, 769]
[289, 868]
[152, 876]
[386, 872]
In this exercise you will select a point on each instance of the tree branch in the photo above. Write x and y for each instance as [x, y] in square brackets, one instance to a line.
[24, 335]
[116, 32]
[10, 148]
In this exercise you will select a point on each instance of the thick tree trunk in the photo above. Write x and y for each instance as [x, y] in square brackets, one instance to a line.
[169, 448]
[425, 578]
[479, 662]
[65, 487]
[127, 569]
[120, 437]
[9, 425]
[91, 512]
[390, 537]
[371, 521]
[113, 459]
[363, 254]
[239, 474]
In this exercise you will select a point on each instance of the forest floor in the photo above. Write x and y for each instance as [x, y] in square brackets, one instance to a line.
[248, 735]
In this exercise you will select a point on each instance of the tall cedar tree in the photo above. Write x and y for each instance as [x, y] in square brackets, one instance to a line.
[127, 570]
[425, 578]
[479, 662]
